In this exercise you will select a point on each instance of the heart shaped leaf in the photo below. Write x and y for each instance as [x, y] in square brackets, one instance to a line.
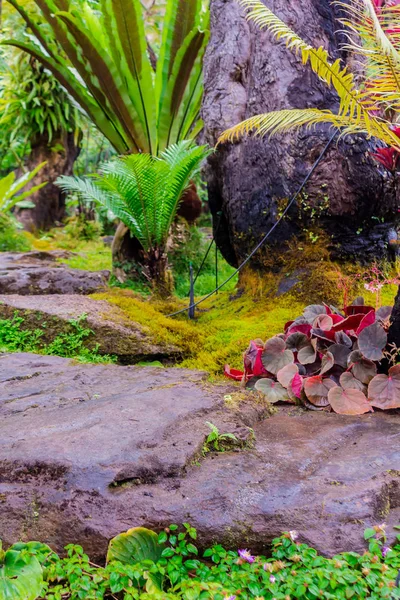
[285, 375]
[307, 353]
[272, 390]
[275, 355]
[384, 391]
[295, 341]
[363, 369]
[340, 354]
[371, 341]
[349, 382]
[324, 322]
[349, 401]
[296, 387]
[317, 389]
[313, 311]
[384, 313]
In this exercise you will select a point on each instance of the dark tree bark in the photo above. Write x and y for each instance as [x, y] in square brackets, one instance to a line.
[394, 331]
[246, 73]
[60, 155]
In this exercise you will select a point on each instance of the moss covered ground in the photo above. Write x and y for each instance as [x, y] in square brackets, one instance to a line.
[226, 323]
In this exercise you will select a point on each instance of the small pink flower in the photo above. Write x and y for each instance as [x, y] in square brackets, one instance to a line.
[385, 550]
[246, 556]
[293, 535]
[272, 579]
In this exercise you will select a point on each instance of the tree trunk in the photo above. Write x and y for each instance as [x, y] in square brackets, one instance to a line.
[394, 331]
[248, 73]
[131, 262]
[49, 201]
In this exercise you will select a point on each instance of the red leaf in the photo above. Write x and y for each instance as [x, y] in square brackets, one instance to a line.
[369, 319]
[357, 309]
[352, 322]
[234, 373]
[304, 328]
[297, 385]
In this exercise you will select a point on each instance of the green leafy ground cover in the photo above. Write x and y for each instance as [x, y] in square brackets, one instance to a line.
[14, 338]
[141, 564]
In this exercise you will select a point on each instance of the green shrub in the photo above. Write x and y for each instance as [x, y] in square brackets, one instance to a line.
[175, 570]
[80, 228]
[11, 240]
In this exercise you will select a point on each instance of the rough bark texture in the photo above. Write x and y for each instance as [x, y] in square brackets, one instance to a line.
[247, 73]
[60, 155]
[394, 332]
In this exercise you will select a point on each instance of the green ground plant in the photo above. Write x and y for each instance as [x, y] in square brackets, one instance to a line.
[144, 565]
[218, 441]
[11, 239]
[14, 338]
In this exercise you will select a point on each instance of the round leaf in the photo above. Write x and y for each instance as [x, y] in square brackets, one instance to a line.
[384, 391]
[323, 322]
[134, 546]
[307, 353]
[371, 341]
[285, 375]
[296, 340]
[275, 355]
[273, 390]
[384, 313]
[21, 578]
[340, 354]
[317, 389]
[313, 311]
[363, 369]
[348, 381]
[348, 402]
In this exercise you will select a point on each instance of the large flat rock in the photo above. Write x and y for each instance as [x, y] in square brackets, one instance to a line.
[89, 451]
[40, 273]
[113, 331]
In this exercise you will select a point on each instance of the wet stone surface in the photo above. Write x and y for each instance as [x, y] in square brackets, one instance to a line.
[89, 451]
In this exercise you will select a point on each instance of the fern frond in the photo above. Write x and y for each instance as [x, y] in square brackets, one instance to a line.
[286, 120]
[141, 190]
[352, 102]
[378, 49]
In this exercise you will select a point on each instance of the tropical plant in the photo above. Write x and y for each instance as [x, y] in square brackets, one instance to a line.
[100, 55]
[33, 103]
[291, 570]
[327, 361]
[366, 103]
[144, 192]
[21, 576]
[10, 186]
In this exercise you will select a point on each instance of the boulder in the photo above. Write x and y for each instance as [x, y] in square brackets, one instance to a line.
[113, 331]
[89, 451]
[247, 72]
[40, 273]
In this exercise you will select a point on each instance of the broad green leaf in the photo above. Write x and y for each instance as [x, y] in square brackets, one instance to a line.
[135, 545]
